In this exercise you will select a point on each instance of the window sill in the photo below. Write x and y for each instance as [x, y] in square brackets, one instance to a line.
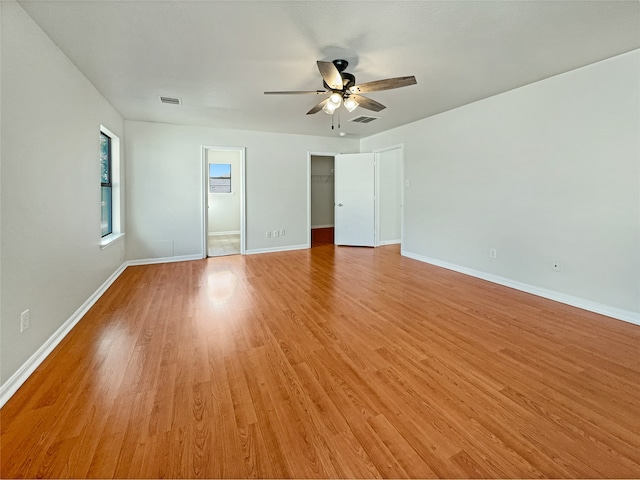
[110, 239]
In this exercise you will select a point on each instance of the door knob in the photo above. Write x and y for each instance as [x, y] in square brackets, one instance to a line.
[339, 204]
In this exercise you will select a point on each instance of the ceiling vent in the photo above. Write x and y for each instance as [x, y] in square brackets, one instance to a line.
[363, 119]
[171, 100]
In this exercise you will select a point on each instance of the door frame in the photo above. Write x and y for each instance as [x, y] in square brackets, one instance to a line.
[205, 195]
[309, 155]
[377, 153]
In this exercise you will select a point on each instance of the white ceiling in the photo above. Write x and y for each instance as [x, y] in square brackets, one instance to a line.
[220, 56]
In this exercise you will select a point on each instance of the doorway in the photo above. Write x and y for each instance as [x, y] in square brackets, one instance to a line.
[224, 201]
[322, 190]
[374, 180]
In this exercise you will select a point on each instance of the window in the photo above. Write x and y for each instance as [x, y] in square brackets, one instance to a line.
[110, 195]
[219, 178]
[106, 185]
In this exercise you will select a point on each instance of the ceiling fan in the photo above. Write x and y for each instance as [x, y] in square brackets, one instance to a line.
[343, 89]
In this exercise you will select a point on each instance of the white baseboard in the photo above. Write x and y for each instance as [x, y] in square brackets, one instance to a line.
[152, 261]
[276, 249]
[217, 234]
[595, 307]
[390, 242]
[322, 226]
[16, 380]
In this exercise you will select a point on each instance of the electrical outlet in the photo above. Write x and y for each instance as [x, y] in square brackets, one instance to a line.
[493, 253]
[556, 266]
[24, 321]
[268, 234]
[276, 233]
[281, 232]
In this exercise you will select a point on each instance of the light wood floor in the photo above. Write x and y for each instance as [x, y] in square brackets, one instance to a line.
[221, 245]
[328, 362]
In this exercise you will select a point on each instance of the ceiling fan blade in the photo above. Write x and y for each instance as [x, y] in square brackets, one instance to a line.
[386, 84]
[367, 103]
[318, 107]
[331, 75]
[298, 92]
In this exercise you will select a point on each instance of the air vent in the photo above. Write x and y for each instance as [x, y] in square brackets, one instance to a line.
[363, 119]
[171, 100]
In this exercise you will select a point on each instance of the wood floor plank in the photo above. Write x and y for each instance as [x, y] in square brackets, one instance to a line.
[332, 362]
[402, 451]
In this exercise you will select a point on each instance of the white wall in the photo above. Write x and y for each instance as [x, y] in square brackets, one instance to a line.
[224, 209]
[390, 195]
[549, 171]
[167, 159]
[51, 257]
[322, 191]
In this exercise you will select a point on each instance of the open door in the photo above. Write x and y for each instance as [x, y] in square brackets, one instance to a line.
[355, 199]
[224, 201]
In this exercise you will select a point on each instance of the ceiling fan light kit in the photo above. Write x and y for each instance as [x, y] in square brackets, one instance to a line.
[343, 89]
[330, 107]
[335, 98]
[350, 104]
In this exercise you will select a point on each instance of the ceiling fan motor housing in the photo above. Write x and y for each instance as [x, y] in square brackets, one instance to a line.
[341, 65]
[347, 78]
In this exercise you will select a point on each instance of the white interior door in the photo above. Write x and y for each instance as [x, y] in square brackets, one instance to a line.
[355, 199]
